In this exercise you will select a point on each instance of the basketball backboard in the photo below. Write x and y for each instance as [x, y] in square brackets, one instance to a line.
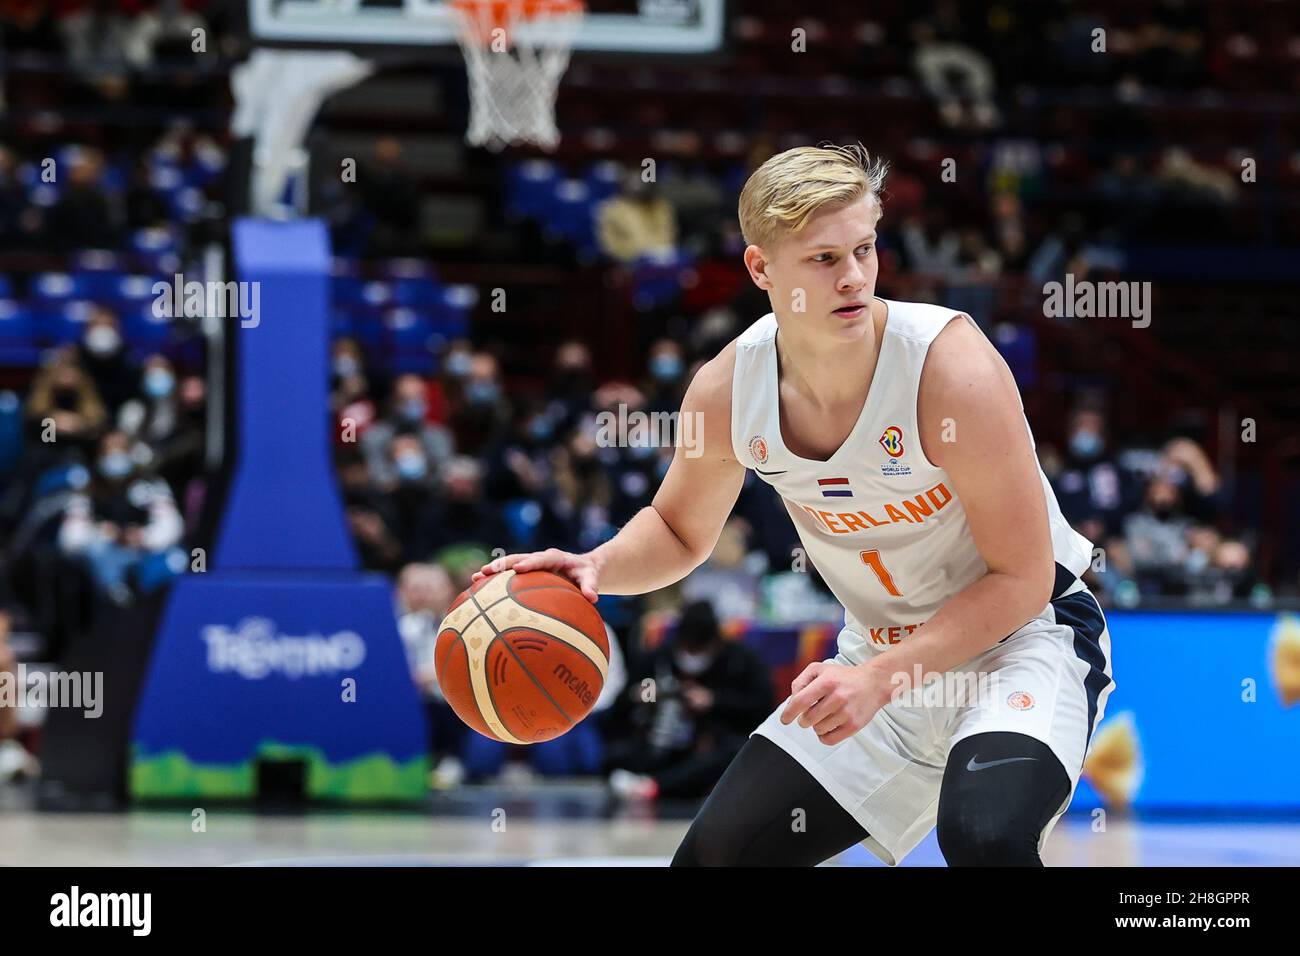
[628, 26]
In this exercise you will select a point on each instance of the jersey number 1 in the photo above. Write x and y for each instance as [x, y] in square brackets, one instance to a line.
[872, 560]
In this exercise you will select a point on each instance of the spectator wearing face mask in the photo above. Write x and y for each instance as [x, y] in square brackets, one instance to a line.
[460, 514]
[178, 458]
[1202, 489]
[570, 389]
[102, 354]
[1093, 491]
[377, 546]
[152, 416]
[518, 476]
[483, 413]
[1157, 539]
[64, 410]
[350, 392]
[122, 519]
[456, 362]
[1218, 569]
[628, 438]
[404, 505]
[516, 464]
[582, 492]
[408, 410]
[666, 384]
[709, 694]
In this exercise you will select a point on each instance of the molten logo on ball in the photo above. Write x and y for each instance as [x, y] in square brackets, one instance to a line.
[575, 684]
[521, 658]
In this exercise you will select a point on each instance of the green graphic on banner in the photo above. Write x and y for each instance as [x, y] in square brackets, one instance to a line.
[375, 777]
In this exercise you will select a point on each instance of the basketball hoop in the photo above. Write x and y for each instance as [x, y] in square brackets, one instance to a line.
[515, 53]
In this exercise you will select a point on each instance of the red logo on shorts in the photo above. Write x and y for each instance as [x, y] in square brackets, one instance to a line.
[1020, 700]
[758, 448]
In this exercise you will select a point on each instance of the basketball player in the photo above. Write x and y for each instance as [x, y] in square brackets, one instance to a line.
[895, 436]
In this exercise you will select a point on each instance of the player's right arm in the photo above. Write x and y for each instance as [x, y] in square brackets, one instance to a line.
[667, 540]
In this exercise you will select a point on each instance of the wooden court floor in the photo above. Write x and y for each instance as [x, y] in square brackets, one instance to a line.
[545, 826]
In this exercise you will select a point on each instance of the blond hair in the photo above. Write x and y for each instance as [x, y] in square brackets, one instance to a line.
[791, 187]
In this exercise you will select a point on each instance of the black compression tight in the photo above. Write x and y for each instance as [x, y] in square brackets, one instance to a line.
[768, 811]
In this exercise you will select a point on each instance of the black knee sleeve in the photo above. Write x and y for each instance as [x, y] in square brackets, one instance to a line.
[999, 791]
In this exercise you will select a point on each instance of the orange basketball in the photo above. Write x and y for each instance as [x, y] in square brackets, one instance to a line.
[521, 658]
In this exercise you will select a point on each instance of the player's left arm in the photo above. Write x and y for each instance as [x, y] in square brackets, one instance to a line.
[972, 426]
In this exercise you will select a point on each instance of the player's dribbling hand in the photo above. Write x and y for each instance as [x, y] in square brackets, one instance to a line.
[836, 700]
[578, 568]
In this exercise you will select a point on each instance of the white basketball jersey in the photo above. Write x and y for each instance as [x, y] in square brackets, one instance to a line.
[879, 522]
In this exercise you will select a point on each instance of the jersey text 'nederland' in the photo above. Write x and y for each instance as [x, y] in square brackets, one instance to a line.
[911, 510]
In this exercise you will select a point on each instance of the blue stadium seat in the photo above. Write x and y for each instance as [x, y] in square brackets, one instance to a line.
[116, 177]
[570, 215]
[604, 180]
[145, 332]
[529, 186]
[451, 317]
[60, 478]
[166, 178]
[365, 323]
[406, 326]
[656, 280]
[43, 195]
[340, 322]
[97, 275]
[198, 174]
[62, 323]
[346, 289]
[186, 204]
[11, 432]
[522, 517]
[1019, 348]
[55, 287]
[351, 291]
[135, 290]
[409, 335]
[18, 346]
[153, 241]
[416, 292]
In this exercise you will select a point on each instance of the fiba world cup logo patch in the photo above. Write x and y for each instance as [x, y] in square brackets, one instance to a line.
[891, 440]
[758, 448]
[1020, 700]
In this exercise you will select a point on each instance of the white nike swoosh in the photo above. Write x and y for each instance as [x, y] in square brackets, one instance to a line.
[973, 765]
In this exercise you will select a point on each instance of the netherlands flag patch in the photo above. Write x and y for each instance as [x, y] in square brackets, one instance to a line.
[835, 487]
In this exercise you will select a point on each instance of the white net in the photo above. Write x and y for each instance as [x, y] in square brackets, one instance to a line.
[515, 53]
